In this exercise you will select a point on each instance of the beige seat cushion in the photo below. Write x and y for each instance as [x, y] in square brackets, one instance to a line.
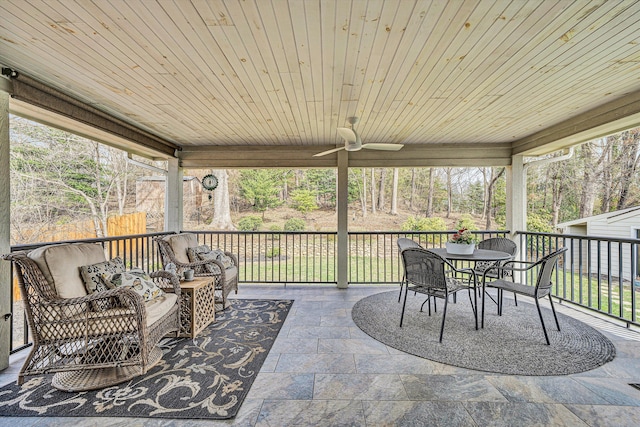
[230, 274]
[61, 264]
[158, 307]
[179, 243]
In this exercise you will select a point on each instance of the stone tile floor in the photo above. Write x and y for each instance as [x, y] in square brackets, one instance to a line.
[324, 371]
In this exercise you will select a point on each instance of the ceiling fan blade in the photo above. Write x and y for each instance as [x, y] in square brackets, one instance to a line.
[383, 146]
[348, 134]
[324, 153]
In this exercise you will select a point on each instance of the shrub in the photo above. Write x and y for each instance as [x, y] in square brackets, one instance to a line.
[249, 223]
[294, 224]
[466, 222]
[539, 222]
[303, 200]
[275, 227]
[424, 224]
[272, 253]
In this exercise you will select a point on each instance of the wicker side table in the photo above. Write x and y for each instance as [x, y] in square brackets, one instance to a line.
[197, 305]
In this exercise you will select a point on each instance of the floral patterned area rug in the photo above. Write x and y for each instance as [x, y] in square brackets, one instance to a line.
[204, 378]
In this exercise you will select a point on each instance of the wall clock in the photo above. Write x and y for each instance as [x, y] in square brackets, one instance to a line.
[210, 182]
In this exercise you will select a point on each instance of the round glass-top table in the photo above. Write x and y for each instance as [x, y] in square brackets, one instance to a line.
[478, 255]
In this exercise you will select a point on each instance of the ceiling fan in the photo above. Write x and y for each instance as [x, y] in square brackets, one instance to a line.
[352, 141]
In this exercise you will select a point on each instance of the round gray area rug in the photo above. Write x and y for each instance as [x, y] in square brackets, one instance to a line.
[509, 344]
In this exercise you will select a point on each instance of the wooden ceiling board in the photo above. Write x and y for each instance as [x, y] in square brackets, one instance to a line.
[272, 73]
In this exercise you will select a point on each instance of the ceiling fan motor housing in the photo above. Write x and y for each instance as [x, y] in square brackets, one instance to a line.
[352, 145]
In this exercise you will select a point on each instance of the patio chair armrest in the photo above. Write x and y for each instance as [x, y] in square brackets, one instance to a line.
[122, 293]
[165, 279]
[506, 267]
[468, 271]
[234, 258]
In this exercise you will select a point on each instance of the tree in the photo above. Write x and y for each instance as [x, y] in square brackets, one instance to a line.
[261, 187]
[373, 190]
[381, 189]
[413, 189]
[394, 193]
[591, 171]
[74, 175]
[323, 183]
[221, 205]
[628, 165]
[364, 193]
[449, 172]
[429, 212]
[303, 200]
[487, 213]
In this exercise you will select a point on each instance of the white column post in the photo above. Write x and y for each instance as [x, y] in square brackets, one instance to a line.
[517, 199]
[343, 218]
[173, 206]
[6, 285]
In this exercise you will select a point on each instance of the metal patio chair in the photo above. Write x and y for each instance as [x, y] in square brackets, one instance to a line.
[541, 289]
[405, 243]
[428, 273]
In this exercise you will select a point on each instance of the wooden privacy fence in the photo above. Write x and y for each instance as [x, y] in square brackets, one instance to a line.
[120, 225]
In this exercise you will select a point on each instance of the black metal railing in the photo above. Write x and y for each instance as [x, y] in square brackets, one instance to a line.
[598, 273]
[278, 257]
[374, 256]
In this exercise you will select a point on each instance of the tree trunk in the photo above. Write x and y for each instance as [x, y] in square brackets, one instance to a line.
[381, 192]
[373, 190]
[413, 189]
[494, 178]
[588, 195]
[429, 212]
[364, 192]
[449, 192]
[629, 165]
[485, 194]
[394, 192]
[221, 206]
[557, 201]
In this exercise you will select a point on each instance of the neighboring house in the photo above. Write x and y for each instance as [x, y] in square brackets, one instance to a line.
[150, 199]
[624, 225]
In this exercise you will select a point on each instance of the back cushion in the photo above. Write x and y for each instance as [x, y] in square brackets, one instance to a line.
[61, 264]
[180, 242]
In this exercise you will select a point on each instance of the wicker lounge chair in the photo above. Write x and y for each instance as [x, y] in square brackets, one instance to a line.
[89, 340]
[173, 249]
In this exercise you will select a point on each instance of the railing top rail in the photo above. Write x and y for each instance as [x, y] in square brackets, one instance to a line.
[428, 232]
[580, 237]
[259, 232]
[30, 246]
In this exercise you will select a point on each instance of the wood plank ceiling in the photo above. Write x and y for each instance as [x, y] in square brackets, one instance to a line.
[212, 74]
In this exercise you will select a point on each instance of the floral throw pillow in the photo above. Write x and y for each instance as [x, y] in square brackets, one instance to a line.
[137, 280]
[193, 253]
[223, 258]
[218, 255]
[209, 256]
[92, 278]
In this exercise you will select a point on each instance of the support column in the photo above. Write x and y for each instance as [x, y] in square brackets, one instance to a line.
[342, 204]
[516, 196]
[173, 206]
[6, 286]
